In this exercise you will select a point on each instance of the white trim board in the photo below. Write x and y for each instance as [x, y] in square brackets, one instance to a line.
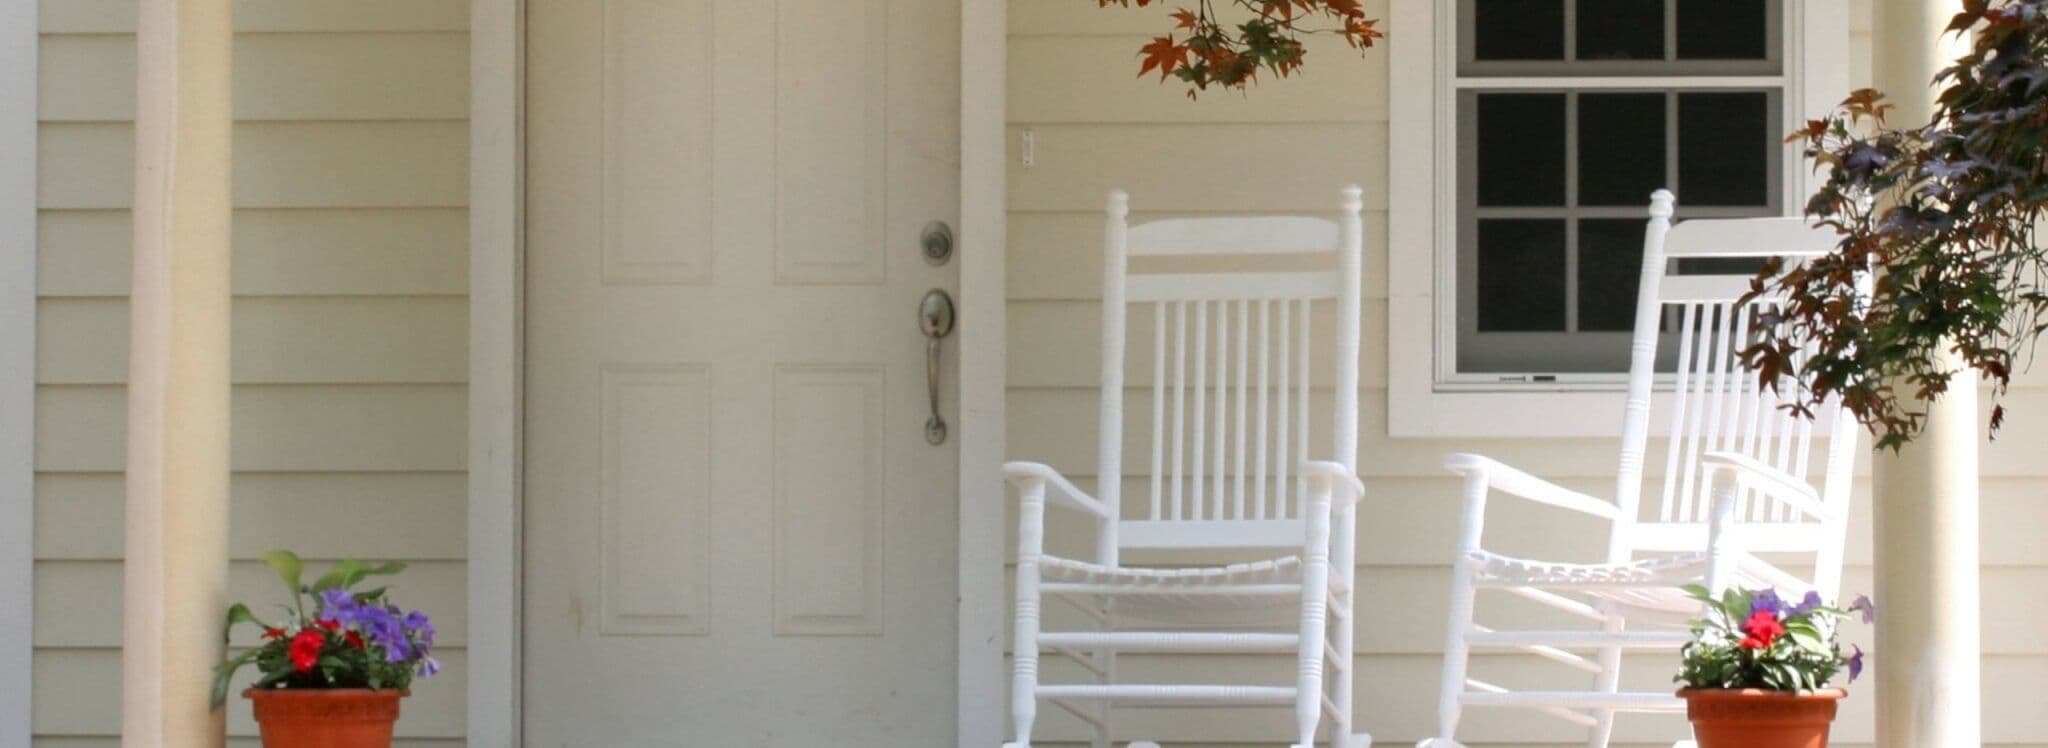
[983, 209]
[496, 225]
[1421, 154]
[497, 64]
[18, 41]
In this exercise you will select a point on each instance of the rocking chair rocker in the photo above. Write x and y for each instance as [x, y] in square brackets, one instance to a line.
[1734, 484]
[1229, 372]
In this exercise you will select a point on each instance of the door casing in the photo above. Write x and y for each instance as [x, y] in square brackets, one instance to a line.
[496, 358]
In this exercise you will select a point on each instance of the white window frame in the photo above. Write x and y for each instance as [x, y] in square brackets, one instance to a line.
[1425, 398]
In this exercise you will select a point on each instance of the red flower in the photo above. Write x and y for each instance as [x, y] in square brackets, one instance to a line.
[273, 633]
[305, 649]
[354, 639]
[328, 623]
[1762, 629]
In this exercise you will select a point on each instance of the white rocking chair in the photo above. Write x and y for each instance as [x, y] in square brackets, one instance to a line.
[1229, 472]
[1735, 482]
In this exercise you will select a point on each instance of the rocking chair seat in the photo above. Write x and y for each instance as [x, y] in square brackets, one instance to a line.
[1279, 571]
[1649, 585]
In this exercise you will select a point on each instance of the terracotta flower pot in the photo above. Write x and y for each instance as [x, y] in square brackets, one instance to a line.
[1753, 718]
[326, 718]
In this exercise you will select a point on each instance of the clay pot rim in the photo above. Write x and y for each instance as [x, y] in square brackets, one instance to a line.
[306, 693]
[1828, 694]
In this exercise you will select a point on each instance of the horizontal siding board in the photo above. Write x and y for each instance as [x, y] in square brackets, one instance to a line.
[78, 603]
[1061, 79]
[277, 339]
[412, 516]
[277, 164]
[72, 697]
[1267, 168]
[119, 16]
[403, 428]
[300, 76]
[316, 251]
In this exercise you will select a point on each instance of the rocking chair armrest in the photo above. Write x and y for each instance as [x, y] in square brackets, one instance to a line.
[1346, 487]
[1521, 484]
[1064, 494]
[1754, 474]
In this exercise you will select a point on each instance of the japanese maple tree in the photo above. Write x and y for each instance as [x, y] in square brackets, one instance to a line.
[1204, 49]
[1943, 217]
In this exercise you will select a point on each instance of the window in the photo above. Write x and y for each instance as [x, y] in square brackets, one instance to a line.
[1522, 157]
[1570, 113]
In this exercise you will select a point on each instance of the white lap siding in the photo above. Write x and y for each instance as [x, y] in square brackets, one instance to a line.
[350, 319]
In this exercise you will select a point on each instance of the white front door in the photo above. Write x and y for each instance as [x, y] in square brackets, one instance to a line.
[736, 531]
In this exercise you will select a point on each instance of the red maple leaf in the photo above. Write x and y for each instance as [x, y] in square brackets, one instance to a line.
[1164, 55]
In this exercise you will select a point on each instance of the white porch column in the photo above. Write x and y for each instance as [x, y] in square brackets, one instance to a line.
[1926, 495]
[177, 508]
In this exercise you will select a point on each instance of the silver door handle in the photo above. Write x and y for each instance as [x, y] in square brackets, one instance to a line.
[935, 320]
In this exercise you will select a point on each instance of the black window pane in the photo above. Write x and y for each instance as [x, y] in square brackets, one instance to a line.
[1518, 29]
[1521, 149]
[1621, 29]
[1720, 266]
[1621, 148]
[1610, 269]
[1723, 29]
[1521, 276]
[1724, 148]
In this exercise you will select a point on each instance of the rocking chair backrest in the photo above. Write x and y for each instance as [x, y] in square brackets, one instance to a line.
[1227, 359]
[1715, 405]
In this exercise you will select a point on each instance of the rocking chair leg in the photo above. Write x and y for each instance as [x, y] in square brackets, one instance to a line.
[1457, 655]
[1609, 681]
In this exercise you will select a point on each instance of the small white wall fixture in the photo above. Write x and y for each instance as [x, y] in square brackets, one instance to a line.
[18, 42]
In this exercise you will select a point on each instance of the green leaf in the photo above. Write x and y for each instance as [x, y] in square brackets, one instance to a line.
[225, 672]
[1699, 592]
[272, 679]
[239, 613]
[348, 572]
[287, 565]
[1806, 637]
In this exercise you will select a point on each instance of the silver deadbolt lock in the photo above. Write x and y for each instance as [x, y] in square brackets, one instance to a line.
[937, 243]
[935, 320]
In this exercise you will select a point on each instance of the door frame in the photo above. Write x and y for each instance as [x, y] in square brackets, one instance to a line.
[18, 53]
[497, 358]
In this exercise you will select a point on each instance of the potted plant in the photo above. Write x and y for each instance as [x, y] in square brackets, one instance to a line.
[1757, 670]
[331, 673]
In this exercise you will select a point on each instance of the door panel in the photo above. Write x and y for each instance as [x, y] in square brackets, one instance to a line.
[735, 531]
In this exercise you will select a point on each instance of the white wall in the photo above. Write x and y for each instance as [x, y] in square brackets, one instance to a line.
[349, 328]
[1288, 146]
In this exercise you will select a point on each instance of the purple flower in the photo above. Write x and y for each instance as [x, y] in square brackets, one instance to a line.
[1767, 601]
[339, 605]
[1863, 605]
[422, 629]
[429, 666]
[1855, 663]
[1811, 601]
